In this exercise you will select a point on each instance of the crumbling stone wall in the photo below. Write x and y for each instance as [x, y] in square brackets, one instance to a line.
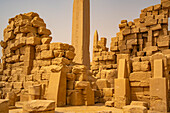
[104, 70]
[30, 64]
[136, 42]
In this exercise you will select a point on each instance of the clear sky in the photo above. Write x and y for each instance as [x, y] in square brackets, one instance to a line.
[57, 14]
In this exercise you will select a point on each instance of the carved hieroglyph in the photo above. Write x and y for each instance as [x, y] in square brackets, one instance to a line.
[81, 31]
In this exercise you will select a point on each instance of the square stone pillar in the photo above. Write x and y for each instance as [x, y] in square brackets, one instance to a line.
[122, 87]
[158, 88]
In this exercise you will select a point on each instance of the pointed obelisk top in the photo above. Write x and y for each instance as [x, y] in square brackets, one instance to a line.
[96, 38]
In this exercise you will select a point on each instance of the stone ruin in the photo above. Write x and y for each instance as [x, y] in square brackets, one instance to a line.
[133, 75]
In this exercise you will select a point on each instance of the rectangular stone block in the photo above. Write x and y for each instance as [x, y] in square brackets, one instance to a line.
[58, 82]
[102, 83]
[39, 106]
[158, 68]
[159, 93]
[122, 87]
[34, 90]
[139, 103]
[76, 98]
[108, 92]
[18, 85]
[56, 46]
[122, 69]
[33, 41]
[47, 54]
[140, 76]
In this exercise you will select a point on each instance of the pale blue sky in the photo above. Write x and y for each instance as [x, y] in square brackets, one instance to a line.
[57, 14]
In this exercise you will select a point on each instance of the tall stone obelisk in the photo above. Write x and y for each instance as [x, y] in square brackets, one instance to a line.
[81, 31]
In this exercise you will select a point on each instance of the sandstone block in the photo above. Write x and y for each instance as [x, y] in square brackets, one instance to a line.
[18, 85]
[158, 68]
[108, 92]
[151, 48]
[45, 106]
[82, 84]
[140, 76]
[166, 5]
[38, 22]
[57, 81]
[134, 109]
[71, 76]
[59, 53]
[47, 54]
[122, 87]
[158, 93]
[46, 40]
[34, 90]
[70, 55]
[70, 85]
[76, 99]
[61, 60]
[139, 103]
[122, 69]
[28, 29]
[109, 103]
[8, 35]
[136, 66]
[56, 46]
[33, 41]
[44, 31]
[4, 106]
[11, 96]
[102, 83]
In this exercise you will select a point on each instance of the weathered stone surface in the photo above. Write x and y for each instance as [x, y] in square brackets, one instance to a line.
[109, 103]
[102, 83]
[44, 31]
[139, 103]
[58, 82]
[39, 106]
[134, 109]
[81, 31]
[4, 106]
[158, 94]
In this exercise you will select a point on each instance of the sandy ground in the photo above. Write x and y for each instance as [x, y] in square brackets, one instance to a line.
[80, 109]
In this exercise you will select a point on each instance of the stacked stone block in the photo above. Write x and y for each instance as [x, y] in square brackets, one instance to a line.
[33, 68]
[139, 79]
[79, 90]
[23, 33]
[104, 70]
[147, 34]
[140, 42]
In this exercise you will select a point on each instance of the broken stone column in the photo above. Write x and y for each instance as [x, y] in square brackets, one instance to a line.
[4, 108]
[39, 106]
[57, 85]
[122, 88]
[81, 31]
[158, 88]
